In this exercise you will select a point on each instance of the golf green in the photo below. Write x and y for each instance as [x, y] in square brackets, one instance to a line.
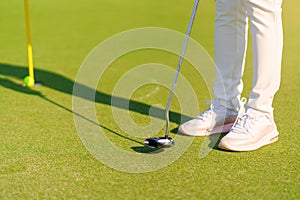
[43, 155]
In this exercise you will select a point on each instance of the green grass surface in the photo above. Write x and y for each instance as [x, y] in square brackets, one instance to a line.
[42, 157]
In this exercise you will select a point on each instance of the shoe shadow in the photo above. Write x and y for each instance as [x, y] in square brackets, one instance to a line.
[210, 143]
[215, 140]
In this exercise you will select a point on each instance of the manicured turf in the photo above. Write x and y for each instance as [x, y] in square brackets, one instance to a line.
[42, 156]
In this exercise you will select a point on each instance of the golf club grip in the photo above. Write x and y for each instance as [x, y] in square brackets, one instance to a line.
[188, 33]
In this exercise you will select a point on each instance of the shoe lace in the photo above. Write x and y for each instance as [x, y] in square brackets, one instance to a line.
[216, 107]
[208, 112]
[205, 114]
[241, 124]
[241, 110]
[242, 106]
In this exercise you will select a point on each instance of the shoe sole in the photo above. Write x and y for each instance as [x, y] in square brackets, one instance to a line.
[216, 130]
[268, 139]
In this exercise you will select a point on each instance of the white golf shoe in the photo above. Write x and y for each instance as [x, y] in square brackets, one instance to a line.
[252, 130]
[217, 119]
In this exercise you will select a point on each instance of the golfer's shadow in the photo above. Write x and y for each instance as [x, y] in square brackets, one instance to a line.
[65, 85]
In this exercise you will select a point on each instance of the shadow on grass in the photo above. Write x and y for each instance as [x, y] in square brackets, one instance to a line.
[210, 143]
[17, 87]
[215, 140]
[65, 85]
[145, 149]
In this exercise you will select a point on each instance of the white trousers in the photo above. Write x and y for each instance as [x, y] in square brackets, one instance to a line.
[231, 28]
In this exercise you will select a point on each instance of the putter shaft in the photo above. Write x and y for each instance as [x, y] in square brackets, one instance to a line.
[187, 36]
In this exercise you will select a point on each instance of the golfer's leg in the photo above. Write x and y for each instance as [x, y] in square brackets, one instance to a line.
[266, 30]
[230, 48]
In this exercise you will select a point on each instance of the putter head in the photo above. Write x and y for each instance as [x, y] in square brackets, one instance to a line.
[161, 142]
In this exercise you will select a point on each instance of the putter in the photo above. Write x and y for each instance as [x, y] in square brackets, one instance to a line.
[166, 141]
